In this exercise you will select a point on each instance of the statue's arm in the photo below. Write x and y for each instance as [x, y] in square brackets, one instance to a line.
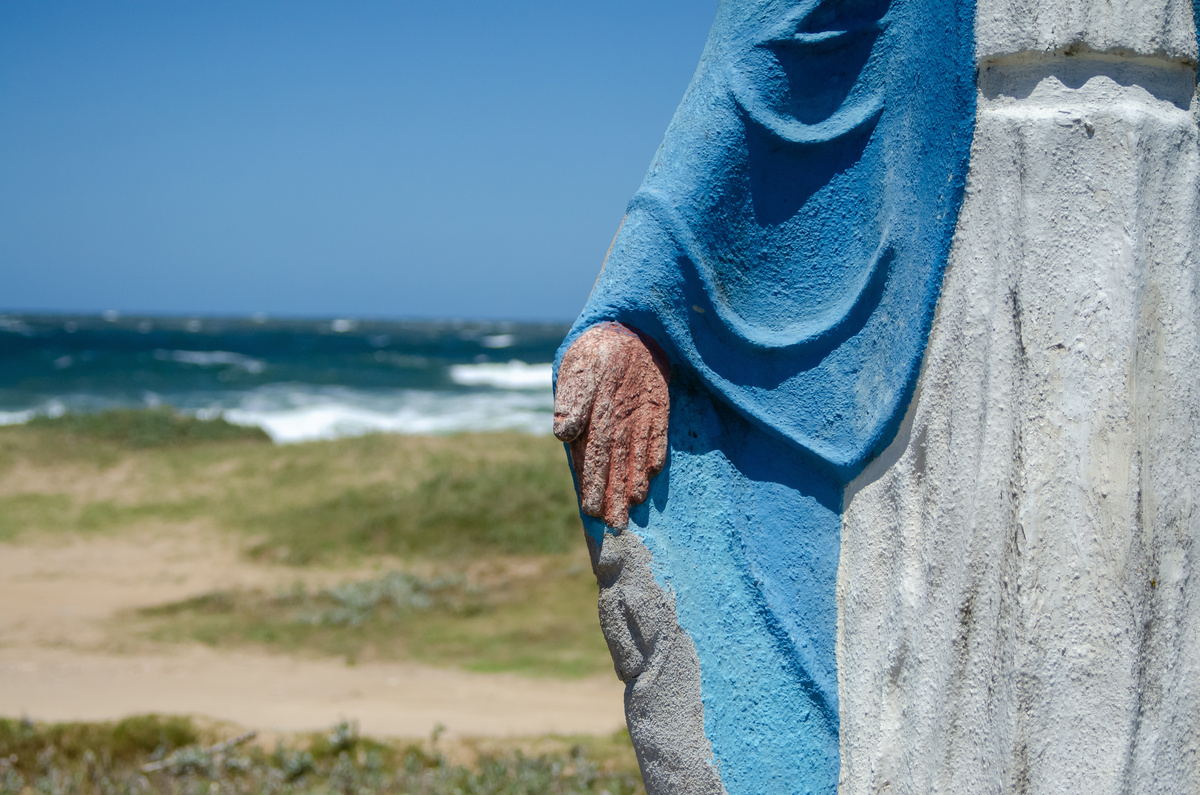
[611, 409]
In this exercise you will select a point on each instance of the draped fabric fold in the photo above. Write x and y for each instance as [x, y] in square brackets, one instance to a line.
[786, 249]
[788, 242]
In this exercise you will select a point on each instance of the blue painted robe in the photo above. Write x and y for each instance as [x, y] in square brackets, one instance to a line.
[786, 249]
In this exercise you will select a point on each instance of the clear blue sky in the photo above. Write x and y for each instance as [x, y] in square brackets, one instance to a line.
[411, 158]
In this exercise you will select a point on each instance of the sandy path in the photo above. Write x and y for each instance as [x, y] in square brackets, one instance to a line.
[288, 694]
[57, 661]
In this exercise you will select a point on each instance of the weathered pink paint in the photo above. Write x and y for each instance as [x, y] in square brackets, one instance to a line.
[611, 408]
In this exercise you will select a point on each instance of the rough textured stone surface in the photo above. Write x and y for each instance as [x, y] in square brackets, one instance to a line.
[1162, 28]
[658, 664]
[1019, 589]
[611, 407]
[1017, 595]
[786, 249]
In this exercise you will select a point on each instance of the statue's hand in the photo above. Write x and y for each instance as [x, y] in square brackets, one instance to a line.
[611, 408]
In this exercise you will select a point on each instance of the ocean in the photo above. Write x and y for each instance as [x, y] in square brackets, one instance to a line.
[297, 379]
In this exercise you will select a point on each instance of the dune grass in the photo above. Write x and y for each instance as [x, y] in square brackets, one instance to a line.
[515, 498]
[539, 620]
[459, 496]
[141, 428]
[174, 755]
[489, 521]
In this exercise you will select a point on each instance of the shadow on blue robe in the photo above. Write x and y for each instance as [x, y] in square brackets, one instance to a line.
[786, 249]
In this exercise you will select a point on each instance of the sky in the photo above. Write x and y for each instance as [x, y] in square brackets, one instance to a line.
[403, 159]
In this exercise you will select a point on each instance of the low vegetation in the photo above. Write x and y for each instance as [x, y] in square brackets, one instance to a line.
[537, 618]
[459, 496]
[471, 543]
[150, 754]
[458, 551]
[140, 428]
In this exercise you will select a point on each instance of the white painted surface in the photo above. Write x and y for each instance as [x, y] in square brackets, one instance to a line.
[1020, 577]
[1164, 28]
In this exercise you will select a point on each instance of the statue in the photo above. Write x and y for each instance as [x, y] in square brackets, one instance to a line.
[834, 536]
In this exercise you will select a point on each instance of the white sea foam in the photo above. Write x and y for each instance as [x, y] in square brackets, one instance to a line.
[519, 398]
[513, 375]
[16, 417]
[50, 408]
[498, 341]
[15, 325]
[301, 413]
[212, 359]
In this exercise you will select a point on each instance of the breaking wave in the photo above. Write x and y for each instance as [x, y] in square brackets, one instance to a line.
[513, 375]
[297, 379]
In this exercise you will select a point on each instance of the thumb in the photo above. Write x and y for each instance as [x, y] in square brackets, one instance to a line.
[574, 397]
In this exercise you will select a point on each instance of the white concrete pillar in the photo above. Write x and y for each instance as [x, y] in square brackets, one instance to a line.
[1019, 590]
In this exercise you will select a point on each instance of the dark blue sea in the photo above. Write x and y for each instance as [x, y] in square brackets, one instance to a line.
[297, 379]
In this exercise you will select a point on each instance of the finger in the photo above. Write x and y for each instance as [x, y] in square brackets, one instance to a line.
[575, 395]
[656, 442]
[578, 448]
[593, 476]
[595, 479]
[639, 482]
[616, 501]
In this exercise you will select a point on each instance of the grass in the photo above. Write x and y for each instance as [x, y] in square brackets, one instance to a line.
[174, 755]
[488, 520]
[20, 513]
[511, 500]
[450, 497]
[539, 620]
[142, 428]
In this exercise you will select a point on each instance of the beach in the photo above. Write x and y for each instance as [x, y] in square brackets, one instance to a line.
[172, 552]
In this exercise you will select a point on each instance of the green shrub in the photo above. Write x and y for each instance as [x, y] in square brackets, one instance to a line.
[120, 742]
[167, 755]
[540, 621]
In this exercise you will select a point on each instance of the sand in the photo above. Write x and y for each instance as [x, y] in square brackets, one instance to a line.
[61, 656]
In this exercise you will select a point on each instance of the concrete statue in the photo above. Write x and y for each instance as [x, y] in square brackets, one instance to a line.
[883, 409]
